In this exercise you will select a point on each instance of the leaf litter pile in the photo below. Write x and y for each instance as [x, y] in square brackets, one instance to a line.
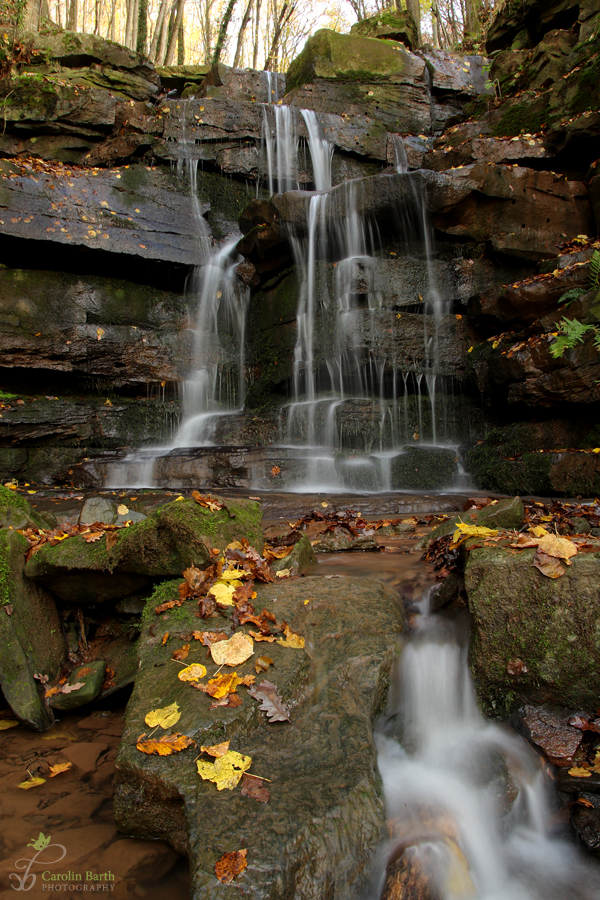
[557, 531]
[225, 591]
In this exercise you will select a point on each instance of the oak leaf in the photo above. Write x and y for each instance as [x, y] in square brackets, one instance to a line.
[579, 772]
[165, 717]
[233, 652]
[165, 745]
[271, 702]
[230, 865]
[208, 502]
[226, 771]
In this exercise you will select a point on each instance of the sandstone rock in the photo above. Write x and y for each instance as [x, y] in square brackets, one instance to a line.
[506, 514]
[97, 210]
[585, 819]
[176, 77]
[518, 613]
[391, 25]
[16, 512]
[224, 82]
[549, 730]
[453, 72]
[342, 541]
[537, 16]
[101, 509]
[162, 546]
[301, 561]
[91, 675]
[418, 468]
[352, 626]
[26, 649]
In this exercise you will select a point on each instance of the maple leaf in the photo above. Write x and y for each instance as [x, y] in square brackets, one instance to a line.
[275, 471]
[252, 787]
[233, 652]
[165, 717]
[579, 772]
[59, 768]
[271, 702]
[230, 865]
[165, 745]
[92, 536]
[226, 771]
[192, 673]
[182, 653]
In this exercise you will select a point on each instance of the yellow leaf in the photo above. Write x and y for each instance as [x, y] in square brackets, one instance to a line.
[470, 350]
[222, 685]
[559, 547]
[283, 573]
[165, 717]
[5, 724]
[164, 746]
[233, 652]
[192, 673]
[291, 639]
[226, 771]
[538, 531]
[32, 782]
[232, 575]
[495, 344]
[465, 530]
[60, 767]
[223, 593]
[578, 772]
[217, 750]
[100, 332]
[235, 545]
[596, 450]
[122, 510]
[324, 505]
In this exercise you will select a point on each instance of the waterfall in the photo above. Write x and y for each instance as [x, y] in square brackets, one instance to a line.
[466, 800]
[321, 150]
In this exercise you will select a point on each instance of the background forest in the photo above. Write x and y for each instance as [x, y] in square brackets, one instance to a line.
[258, 34]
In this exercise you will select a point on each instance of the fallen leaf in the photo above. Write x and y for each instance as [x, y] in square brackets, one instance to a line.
[165, 745]
[463, 530]
[579, 772]
[122, 510]
[192, 673]
[223, 593]
[548, 565]
[59, 768]
[253, 788]
[291, 639]
[271, 702]
[581, 800]
[209, 502]
[226, 771]
[217, 750]
[233, 652]
[231, 701]
[263, 637]
[538, 531]
[208, 638]
[221, 685]
[283, 573]
[233, 575]
[30, 783]
[69, 688]
[5, 724]
[262, 664]
[165, 638]
[165, 717]
[182, 653]
[275, 471]
[559, 547]
[111, 539]
[89, 538]
[230, 865]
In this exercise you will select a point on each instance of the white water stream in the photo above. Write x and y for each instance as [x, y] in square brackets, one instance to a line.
[467, 800]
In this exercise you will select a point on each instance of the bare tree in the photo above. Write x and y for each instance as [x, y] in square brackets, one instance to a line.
[287, 10]
[223, 31]
[240, 40]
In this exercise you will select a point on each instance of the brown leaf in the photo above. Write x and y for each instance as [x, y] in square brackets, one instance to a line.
[169, 604]
[230, 865]
[262, 664]
[92, 536]
[271, 702]
[252, 787]
[208, 502]
[164, 746]
[111, 539]
[209, 637]
[549, 566]
[216, 750]
[516, 667]
[165, 638]
[181, 653]
[231, 701]
[59, 768]
[559, 547]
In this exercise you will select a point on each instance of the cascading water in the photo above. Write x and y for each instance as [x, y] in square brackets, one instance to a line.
[466, 801]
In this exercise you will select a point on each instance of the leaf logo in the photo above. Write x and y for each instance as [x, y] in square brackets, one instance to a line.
[41, 843]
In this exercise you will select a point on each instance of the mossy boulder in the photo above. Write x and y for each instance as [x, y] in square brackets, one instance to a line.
[506, 514]
[300, 561]
[178, 535]
[544, 630]
[354, 58]
[323, 822]
[16, 512]
[31, 639]
[423, 469]
[391, 24]
[91, 677]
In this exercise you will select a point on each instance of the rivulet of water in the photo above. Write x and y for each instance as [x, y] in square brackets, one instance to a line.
[467, 802]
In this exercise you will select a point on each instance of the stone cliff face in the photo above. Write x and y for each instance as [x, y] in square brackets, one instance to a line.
[100, 233]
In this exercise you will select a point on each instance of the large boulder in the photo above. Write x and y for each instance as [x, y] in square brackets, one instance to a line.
[506, 514]
[31, 638]
[533, 638]
[392, 25]
[178, 535]
[16, 512]
[323, 821]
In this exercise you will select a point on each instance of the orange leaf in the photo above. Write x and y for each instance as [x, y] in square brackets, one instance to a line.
[164, 746]
[181, 653]
[93, 536]
[230, 865]
[111, 539]
[165, 638]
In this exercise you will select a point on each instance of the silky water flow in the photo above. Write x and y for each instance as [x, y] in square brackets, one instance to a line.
[468, 803]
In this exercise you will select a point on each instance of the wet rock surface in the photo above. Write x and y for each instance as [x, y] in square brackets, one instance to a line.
[351, 630]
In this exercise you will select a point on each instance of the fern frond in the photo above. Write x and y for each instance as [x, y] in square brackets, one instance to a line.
[595, 271]
[571, 295]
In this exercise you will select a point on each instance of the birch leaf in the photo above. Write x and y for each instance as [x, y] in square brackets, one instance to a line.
[165, 717]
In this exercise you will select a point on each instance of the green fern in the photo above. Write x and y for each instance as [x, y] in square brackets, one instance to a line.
[572, 332]
[571, 295]
[595, 271]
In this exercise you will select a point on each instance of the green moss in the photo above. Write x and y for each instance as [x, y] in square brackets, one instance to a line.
[524, 117]
[588, 87]
[163, 592]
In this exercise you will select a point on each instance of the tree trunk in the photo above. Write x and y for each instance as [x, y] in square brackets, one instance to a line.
[473, 19]
[435, 15]
[141, 44]
[223, 32]
[286, 13]
[163, 37]
[162, 11]
[414, 7]
[177, 24]
[256, 35]
[240, 40]
[181, 45]
[72, 19]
